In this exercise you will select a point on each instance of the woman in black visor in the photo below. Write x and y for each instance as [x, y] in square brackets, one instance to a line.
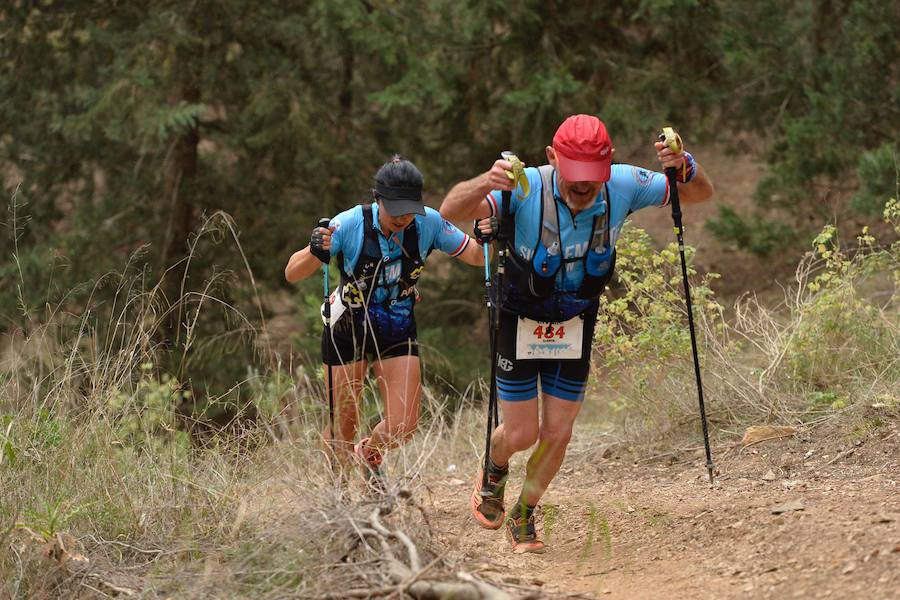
[381, 249]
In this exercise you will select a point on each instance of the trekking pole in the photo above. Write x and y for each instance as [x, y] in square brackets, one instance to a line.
[492, 395]
[673, 141]
[493, 412]
[323, 222]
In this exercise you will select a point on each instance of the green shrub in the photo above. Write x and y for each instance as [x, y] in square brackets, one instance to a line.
[831, 348]
[642, 336]
[878, 172]
[755, 234]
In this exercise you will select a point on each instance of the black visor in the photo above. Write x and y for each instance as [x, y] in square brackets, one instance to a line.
[400, 201]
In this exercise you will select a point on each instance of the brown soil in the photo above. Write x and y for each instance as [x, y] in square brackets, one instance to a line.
[631, 528]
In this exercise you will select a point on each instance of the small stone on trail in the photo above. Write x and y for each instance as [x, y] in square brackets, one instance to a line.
[455, 481]
[849, 569]
[607, 452]
[808, 453]
[630, 509]
[787, 507]
[770, 476]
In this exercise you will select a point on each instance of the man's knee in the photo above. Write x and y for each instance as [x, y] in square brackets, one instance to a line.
[521, 438]
[556, 437]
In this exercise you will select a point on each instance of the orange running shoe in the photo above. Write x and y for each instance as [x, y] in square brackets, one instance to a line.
[522, 533]
[487, 502]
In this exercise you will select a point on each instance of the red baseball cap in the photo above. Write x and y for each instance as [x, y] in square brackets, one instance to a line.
[583, 149]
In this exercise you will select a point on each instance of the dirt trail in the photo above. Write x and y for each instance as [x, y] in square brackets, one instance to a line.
[656, 529]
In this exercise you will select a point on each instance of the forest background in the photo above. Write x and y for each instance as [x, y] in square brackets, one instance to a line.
[162, 160]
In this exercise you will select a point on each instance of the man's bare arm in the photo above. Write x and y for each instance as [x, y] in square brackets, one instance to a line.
[700, 189]
[465, 200]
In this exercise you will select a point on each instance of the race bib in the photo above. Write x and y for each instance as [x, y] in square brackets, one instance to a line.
[540, 339]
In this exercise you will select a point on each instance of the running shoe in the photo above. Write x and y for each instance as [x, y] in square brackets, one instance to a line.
[487, 502]
[522, 533]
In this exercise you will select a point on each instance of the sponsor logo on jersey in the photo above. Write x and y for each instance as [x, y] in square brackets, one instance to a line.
[642, 176]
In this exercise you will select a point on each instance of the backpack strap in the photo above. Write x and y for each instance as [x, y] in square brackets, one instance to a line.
[411, 243]
[600, 234]
[550, 235]
[371, 248]
[358, 285]
[600, 258]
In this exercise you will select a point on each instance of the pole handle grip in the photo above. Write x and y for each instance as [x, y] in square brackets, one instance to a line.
[323, 222]
[671, 139]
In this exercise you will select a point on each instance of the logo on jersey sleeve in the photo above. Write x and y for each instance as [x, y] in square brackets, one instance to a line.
[336, 223]
[449, 227]
[642, 176]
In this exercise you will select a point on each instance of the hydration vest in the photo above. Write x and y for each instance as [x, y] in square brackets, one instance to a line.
[536, 279]
[358, 287]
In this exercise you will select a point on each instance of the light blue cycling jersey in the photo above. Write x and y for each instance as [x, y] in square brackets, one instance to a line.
[630, 188]
[434, 232]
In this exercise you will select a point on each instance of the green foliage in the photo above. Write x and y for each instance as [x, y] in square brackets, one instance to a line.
[49, 519]
[831, 348]
[822, 87]
[828, 399]
[148, 415]
[878, 173]
[46, 431]
[754, 233]
[835, 320]
[644, 322]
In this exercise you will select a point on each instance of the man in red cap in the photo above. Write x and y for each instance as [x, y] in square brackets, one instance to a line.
[561, 234]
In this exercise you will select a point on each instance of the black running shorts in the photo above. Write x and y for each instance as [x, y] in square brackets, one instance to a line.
[517, 380]
[351, 344]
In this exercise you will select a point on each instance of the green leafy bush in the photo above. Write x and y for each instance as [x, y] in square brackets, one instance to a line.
[878, 172]
[754, 233]
[642, 334]
[832, 347]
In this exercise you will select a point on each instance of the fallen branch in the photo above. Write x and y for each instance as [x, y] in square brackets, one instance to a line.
[406, 576]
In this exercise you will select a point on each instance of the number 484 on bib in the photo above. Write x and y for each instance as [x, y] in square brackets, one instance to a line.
[550, 332]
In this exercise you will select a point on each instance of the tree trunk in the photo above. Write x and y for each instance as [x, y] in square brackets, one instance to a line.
[180, 169]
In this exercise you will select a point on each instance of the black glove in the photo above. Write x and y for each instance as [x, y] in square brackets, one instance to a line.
[485, 238]
[316, 240]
